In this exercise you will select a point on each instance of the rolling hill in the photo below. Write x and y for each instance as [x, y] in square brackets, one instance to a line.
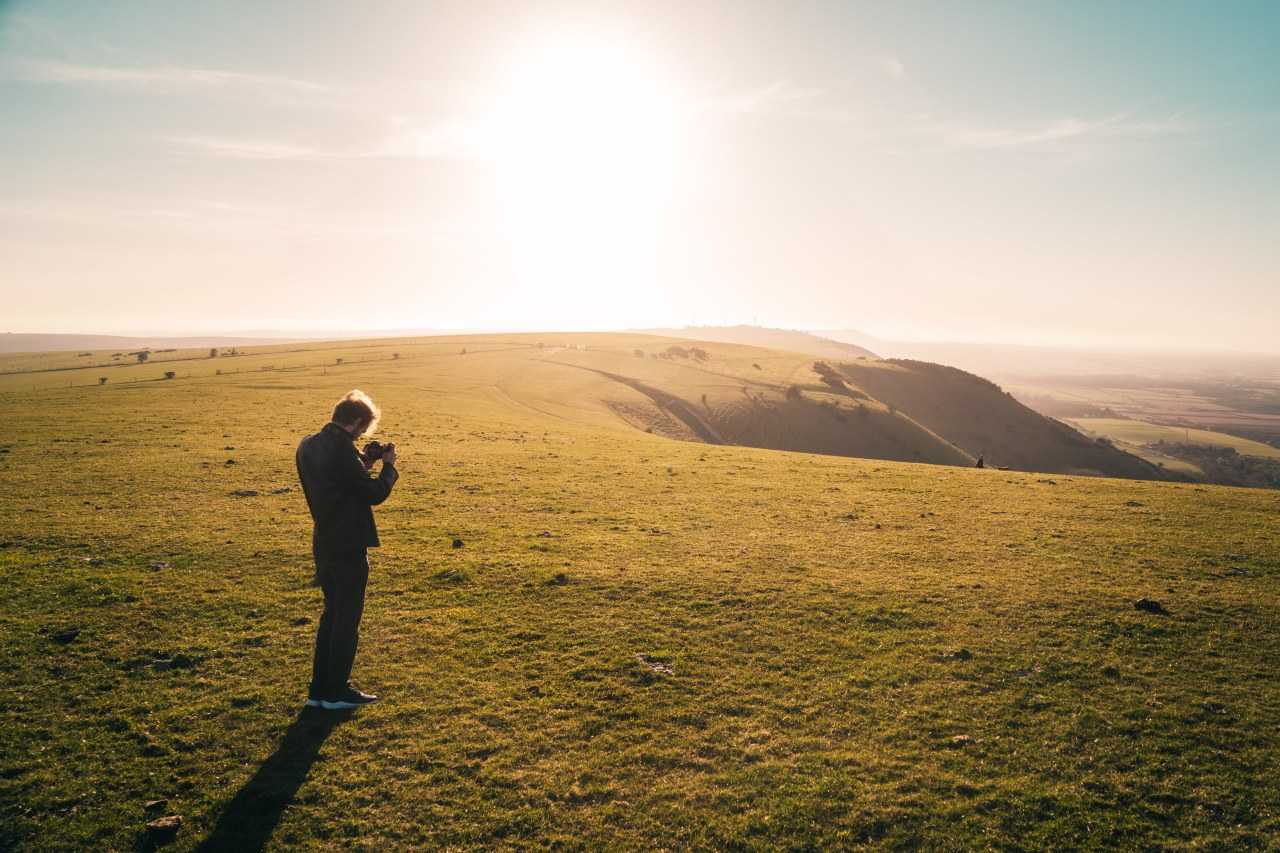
[974, 414]
[712, 392]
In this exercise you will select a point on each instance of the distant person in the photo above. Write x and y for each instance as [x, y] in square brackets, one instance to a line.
[340, 493]
[980, 464]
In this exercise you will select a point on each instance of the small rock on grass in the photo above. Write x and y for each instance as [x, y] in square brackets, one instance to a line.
[962, 740]
[959, 654]
[457, 543]
[657, 666]
[164, 828]
[66, 636]
[1150, 605]
[244, 493]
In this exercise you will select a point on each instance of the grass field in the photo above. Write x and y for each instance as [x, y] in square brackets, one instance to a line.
[642, 643]
[1139, 433]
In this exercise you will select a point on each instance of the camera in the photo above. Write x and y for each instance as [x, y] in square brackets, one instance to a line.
[373, 452]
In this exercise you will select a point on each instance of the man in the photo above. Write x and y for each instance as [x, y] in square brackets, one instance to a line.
[340, 493]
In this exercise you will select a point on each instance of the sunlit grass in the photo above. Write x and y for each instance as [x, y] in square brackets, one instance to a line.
[641, 642]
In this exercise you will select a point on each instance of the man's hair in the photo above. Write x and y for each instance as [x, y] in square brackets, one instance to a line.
[357, 408]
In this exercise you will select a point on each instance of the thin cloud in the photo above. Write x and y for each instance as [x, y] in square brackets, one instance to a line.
[779, 96]
[892, 67]
[1057, 131]
[205, 216]
[458, 138]
[448, 139]
[162, 76]
[243, 149]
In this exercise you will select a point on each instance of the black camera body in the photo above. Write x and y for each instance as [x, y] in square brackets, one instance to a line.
[373, 452]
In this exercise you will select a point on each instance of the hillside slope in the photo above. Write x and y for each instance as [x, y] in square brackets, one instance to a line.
[974, 414]
[745, 396]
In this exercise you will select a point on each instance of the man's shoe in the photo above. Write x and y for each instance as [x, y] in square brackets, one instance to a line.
[350, 698]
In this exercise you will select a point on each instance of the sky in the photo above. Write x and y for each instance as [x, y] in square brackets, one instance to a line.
[1042, 173]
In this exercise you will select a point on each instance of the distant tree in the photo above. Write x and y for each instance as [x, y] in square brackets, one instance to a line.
[102, 380]
[464, 351]
[339, 361]
[169, 374]
[395, 355]
[142, 356]
[638, 353]
[213, 352]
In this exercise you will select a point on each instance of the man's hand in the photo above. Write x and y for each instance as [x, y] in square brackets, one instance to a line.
[389, 455]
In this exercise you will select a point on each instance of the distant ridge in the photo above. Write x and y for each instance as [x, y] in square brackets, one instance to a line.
[790, 340]
[35, 342]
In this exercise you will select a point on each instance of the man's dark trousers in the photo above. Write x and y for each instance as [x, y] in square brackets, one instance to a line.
[343, 578]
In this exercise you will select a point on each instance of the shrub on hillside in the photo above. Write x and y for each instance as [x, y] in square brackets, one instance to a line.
[829, 375]
[169, 374]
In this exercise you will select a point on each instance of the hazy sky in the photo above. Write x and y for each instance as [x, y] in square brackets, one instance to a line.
[1019, 171]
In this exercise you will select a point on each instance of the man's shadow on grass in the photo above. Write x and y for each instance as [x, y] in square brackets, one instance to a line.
[253, 813]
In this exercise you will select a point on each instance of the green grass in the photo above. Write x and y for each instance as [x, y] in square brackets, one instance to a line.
[1139, 433]
[811, 611]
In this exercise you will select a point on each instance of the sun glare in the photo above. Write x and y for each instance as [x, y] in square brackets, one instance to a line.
[584, 138]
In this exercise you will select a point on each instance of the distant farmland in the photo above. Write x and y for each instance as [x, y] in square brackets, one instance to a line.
[1140, 433]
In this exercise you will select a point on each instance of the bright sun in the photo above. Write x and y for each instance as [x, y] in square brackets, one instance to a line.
[585, 139]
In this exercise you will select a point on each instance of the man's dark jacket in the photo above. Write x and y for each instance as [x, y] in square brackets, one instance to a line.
[340, 492]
